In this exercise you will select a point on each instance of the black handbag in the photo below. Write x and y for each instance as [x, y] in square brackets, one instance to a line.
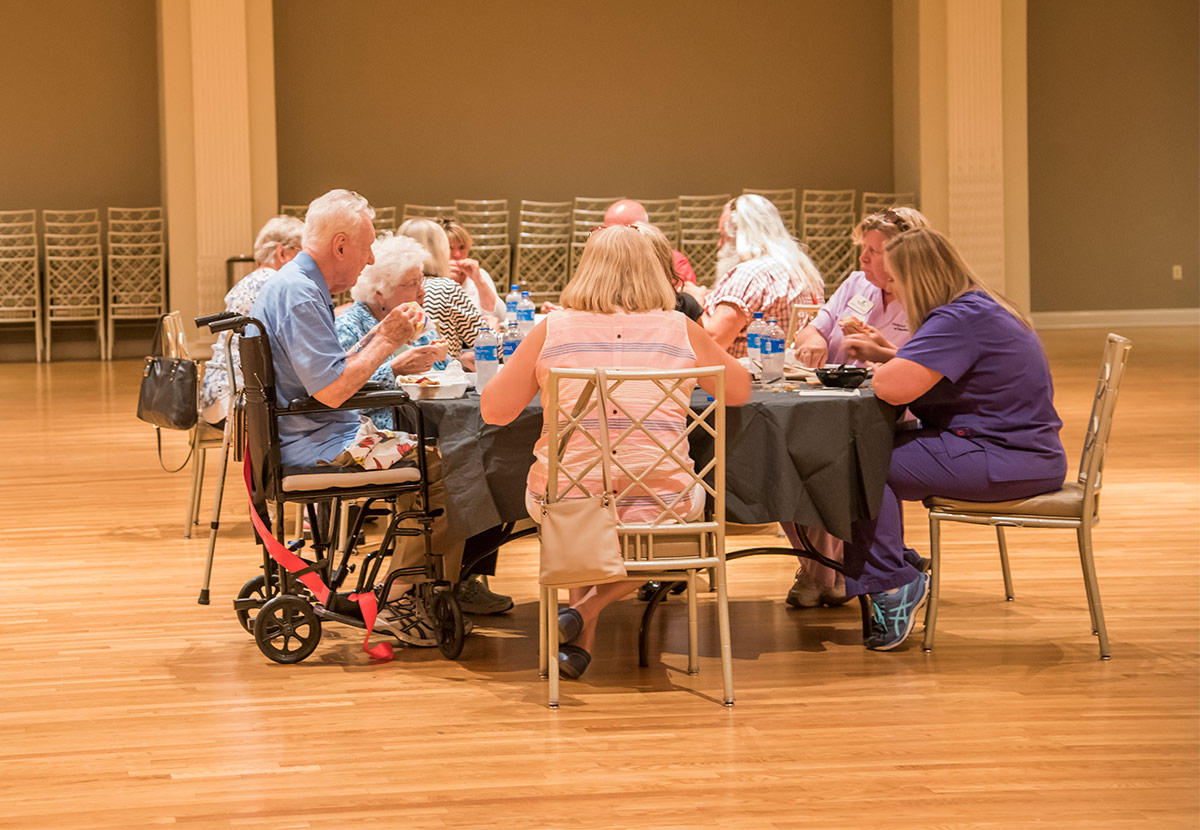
[167, 398]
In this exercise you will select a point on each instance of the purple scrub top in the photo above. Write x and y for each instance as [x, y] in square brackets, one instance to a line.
[996, 393]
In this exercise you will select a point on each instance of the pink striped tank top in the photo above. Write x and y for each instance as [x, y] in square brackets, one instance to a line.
[655, 340]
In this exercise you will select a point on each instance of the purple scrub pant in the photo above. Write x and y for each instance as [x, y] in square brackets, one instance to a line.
[922, 467]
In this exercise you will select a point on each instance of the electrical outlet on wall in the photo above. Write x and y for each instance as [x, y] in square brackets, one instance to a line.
[1177, 272]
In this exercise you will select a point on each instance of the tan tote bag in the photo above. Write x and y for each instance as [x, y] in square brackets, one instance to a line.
[580, 545]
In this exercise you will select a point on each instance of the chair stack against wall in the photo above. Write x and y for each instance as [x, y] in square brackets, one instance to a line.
[543, 248]
[587, 214]
[385, 220]
[74, 271]
[875, 202]
[137, 273]
[487, 222]
[20, 277]
[784, 200]
[664, 215]
[698, 233]
[826, 219]
[429, 212]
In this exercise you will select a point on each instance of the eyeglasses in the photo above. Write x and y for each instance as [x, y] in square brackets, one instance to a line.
[896, 219]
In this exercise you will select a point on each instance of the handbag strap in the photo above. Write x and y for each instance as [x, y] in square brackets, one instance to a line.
[601, 387]
[191, 445]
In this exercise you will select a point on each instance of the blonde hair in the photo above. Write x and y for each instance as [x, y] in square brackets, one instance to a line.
[336, 211]
[395, 256]
[618, 272]
[433, 238]
[757, 229]
[457, 234]
[662, 250]
[933, 275]
[889, 222]
[287, 231]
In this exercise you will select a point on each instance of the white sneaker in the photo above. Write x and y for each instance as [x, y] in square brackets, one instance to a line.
[404, 618]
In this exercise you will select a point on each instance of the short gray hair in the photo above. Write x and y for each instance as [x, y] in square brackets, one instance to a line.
[338, 210]
[395, 256]
[287, 231]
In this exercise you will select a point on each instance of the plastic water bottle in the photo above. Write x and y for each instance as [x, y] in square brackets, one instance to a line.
[512, 339]
[487, 357]
[754, 337]
[771, 344]
[525, 314]
[510, 305]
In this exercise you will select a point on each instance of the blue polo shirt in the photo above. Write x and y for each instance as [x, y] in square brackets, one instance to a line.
[995, 394]
[294, 306]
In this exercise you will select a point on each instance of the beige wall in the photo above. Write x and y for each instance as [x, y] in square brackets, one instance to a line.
[79, 92]
[1114, 153]
[546, 99]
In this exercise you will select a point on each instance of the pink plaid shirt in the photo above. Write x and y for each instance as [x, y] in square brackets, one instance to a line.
[762, 285]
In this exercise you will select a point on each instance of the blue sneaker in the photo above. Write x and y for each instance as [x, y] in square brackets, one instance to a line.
[893, 615]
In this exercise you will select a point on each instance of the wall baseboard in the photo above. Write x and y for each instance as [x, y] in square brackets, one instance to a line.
[1115, 318]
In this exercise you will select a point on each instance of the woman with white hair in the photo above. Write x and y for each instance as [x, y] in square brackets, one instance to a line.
[277, 242]
[396, 278]
[760, 267]
[457, 317]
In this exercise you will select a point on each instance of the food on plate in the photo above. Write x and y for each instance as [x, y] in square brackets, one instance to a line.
[418, 380]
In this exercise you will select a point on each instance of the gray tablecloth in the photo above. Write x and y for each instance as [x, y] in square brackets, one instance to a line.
[816, 457]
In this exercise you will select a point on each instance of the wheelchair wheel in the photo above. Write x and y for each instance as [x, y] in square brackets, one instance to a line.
[448, 624]
[287, 629]
[255, 590]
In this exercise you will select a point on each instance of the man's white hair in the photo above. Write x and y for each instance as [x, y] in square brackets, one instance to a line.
[287, 231]
[338, 210]
[757, 229]
[395, 256]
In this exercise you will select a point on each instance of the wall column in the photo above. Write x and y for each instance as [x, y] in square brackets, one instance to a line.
[216, 86]
[960, 125]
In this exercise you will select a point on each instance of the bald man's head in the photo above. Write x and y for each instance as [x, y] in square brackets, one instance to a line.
[626, 212]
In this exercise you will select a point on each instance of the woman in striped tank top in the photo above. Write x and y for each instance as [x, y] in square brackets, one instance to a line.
[618, 313]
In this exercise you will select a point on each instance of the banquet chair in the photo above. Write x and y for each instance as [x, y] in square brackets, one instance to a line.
[873, 202]
[801, 315]
[299, 211]
[1075, 506]
[20, 274]
[668, 548]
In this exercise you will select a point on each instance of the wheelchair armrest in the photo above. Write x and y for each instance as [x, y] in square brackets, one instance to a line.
[368, 399]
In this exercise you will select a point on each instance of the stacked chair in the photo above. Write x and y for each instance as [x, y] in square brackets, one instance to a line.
[826, 219]
[587, 214]
[429, 212]
[74, 271]
[784, 200]
[875, 202]
[299, 211]
[137, 274]
[385, 220]
[543, 248]
[487, 222]
[20, 279]
[664, 215]
[698, 233]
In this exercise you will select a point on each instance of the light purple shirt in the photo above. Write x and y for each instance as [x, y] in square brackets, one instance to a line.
[892, 321]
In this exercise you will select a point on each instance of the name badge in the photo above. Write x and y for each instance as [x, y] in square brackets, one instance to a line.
[860, 305]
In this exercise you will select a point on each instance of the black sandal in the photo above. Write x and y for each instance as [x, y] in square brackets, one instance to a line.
[570, 625]
[573, 661]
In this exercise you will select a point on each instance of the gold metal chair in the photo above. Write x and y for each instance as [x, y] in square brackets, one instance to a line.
[802, 314]
[1076, 505]
[668, 548]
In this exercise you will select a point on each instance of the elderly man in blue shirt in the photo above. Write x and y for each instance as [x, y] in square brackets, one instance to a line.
[296, 308]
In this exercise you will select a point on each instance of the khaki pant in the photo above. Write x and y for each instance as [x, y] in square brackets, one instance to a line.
[410, 550]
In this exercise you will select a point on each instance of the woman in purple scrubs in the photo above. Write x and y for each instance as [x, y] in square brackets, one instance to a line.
[976, 376]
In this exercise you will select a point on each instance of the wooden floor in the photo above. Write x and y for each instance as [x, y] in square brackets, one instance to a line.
[124, 704]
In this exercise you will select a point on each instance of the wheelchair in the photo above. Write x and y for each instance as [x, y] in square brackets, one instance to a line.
[282, 607]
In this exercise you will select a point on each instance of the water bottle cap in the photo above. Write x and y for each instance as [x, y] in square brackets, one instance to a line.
[772, 321]
[758, 315]
[524, 293]
[513, 287]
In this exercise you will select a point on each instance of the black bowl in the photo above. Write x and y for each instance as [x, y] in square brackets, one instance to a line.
[842, 377]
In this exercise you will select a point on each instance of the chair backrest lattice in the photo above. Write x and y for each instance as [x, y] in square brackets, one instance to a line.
[593, 203]
[18, 217]
[136, 214]
[71, 229]
[481, 205]
[134, 237]
[429, 212]
[801, 315]
[782, 198]
[299, 211]
[136, 284]
[815, 203]
[873, 202]
[712, 204]
[74, 284]
[540, 265]
[1095, 441]
[640, 401]
[20, 284]
[385, 220]
[497, 261]
[72, 217]
[664, 215]
[833, 256]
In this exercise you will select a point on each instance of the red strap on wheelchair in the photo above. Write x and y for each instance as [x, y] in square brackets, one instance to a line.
[294, 564]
